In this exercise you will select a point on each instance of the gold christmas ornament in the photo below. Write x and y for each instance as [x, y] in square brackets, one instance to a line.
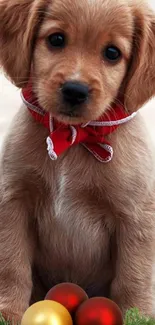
[46, 312]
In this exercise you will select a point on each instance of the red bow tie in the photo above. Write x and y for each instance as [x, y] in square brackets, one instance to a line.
[92, 135]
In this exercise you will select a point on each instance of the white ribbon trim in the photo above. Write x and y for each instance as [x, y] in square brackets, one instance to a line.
[33, 107]
[106, 147]
[74, 134]
[111, 123]
[50, 149]
[109, 149]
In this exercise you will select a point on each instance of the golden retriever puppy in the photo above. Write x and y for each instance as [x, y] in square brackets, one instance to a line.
[85, 212]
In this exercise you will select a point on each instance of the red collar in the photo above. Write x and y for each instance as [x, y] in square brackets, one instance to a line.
[92, 135]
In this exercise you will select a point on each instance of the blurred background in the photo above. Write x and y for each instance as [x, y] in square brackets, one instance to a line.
[10, 102]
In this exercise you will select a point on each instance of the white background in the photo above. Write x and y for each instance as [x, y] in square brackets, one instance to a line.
[152, 3]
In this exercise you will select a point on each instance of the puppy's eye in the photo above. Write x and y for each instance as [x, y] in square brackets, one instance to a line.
[56, 40]
[112, 54]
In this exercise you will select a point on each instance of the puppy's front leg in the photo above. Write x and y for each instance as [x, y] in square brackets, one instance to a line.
[132, 286]
[15, 259]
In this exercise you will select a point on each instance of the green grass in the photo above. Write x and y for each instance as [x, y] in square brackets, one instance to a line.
[4, 322]
[132, 318]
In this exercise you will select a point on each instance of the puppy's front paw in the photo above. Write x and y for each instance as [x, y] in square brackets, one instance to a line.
[11, 317]
[131, 296]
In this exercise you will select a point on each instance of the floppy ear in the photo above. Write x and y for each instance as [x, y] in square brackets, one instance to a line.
[19, 20]
[140, 80]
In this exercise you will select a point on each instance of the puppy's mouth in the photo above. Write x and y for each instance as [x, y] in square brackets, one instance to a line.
[70, 113]
[71, 116]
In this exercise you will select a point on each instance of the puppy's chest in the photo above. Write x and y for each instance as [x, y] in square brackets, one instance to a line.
[78, 227]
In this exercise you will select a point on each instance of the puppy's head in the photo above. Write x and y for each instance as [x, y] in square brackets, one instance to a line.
[81, 55]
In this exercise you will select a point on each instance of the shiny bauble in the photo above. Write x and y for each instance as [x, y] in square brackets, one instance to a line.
[47, 313]
[68, 294]
[98, 311]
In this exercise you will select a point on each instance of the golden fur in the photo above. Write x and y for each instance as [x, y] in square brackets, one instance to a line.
[77, 219]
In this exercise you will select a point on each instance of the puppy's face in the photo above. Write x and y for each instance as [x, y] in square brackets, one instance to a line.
[81, 57]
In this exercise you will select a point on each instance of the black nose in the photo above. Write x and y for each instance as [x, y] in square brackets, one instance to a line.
[75, 93]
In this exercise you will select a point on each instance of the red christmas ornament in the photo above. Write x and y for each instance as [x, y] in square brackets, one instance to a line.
[98, 311]
[67, 294]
